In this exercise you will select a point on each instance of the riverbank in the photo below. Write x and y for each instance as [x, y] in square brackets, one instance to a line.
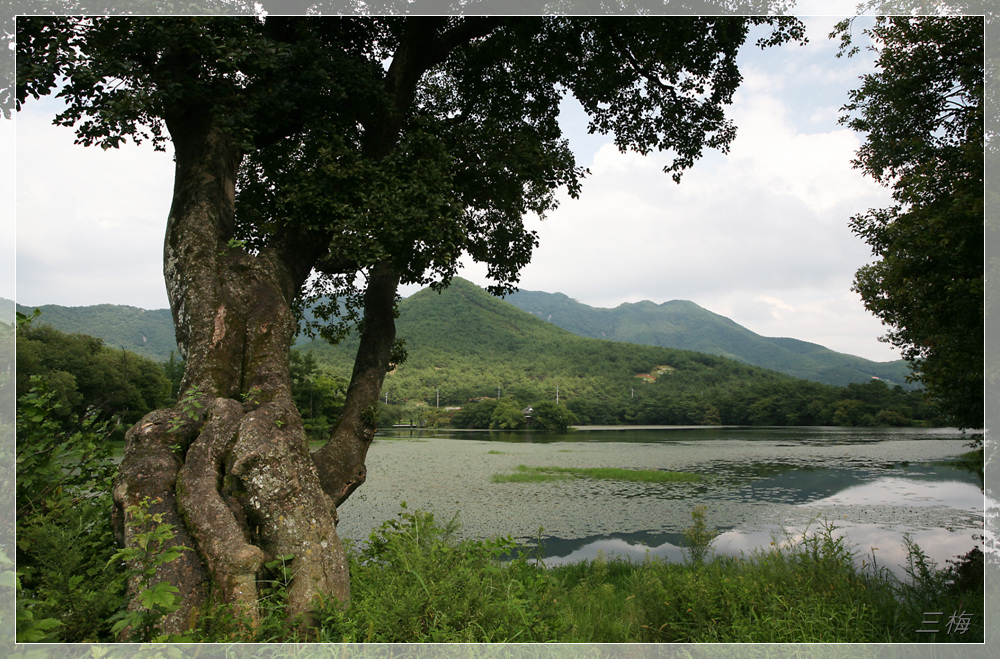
[416, 583]
[748, 487]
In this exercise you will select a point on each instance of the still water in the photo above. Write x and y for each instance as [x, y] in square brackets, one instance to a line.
[760, 486]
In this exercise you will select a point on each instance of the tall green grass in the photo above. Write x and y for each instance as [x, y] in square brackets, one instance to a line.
[416, 582]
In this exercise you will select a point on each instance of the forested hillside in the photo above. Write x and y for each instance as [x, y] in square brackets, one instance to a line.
[683, 324]
[149, 333]
[85, 377]
[465, 345]
[676, 324]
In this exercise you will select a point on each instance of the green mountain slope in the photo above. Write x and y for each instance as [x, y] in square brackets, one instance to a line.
[144, 332]
[464, 344]
[677, 324]
[685, 325]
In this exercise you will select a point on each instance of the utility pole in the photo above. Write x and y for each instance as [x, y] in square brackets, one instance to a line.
[557, 394]
[437, 400]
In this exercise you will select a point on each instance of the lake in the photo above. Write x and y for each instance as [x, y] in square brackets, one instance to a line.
[759, 485]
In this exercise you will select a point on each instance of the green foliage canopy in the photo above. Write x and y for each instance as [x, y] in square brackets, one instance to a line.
[401, 139]
[318, 394]
[922, 116]
[66, 592]
[82, 375]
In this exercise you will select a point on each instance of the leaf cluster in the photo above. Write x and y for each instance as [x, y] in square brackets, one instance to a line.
[48, 456]
[85, 377]
[318, 394]
[151, 547]
[63, 495]
[126, 78]
[922, 116]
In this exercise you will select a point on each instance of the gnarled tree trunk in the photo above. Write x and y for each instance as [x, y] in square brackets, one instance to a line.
[229, 466]
[341, 461]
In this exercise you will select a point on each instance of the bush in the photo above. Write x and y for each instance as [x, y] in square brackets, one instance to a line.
[86, 376]
[415, 582]
[478, 415]
[67, 591]
[507, 415]
[552, 417]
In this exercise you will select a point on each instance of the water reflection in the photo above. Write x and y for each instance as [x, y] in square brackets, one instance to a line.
[631, 546]
[763, 485]
[868, 541]
[861, 482]
[896, 491]
[954, 494]
[787, 437]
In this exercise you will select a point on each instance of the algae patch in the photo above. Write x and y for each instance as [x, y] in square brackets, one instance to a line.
[525, 474]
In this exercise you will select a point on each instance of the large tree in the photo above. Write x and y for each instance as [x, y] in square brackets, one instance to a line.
[922, 115]
[341, 156]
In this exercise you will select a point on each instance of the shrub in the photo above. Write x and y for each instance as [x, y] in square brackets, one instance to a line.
[552, 417]
[414, 581]
[66, 591]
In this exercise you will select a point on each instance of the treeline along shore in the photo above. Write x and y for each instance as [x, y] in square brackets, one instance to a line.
[500, 369]
[76, 390]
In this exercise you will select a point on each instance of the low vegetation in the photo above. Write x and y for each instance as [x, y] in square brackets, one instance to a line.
[525, 474]
[416, 580]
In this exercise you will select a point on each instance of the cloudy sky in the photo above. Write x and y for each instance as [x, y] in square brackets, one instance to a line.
[759, 235]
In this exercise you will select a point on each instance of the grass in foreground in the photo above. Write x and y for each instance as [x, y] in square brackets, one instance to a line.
[415, 582]
[525, 474]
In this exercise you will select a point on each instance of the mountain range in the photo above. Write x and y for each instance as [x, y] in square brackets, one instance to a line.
[677, 324]
[685, 325]
[145, 332]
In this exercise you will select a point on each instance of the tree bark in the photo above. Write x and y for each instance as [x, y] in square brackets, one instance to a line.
[229, 466]
[341, 461]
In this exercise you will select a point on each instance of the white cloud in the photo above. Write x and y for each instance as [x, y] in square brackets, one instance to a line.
[759, 235]
[7, 225]
[830, 317]
[90, 223]
[774, 209]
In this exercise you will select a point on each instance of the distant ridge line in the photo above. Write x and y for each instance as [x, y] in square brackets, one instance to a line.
[679, 324]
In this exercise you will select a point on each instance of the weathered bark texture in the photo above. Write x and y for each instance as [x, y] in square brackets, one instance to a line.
[230, 466]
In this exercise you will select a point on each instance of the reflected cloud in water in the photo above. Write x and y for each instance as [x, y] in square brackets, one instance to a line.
[894, 491]
[881, 541]
[615, 547]
[866, 540]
